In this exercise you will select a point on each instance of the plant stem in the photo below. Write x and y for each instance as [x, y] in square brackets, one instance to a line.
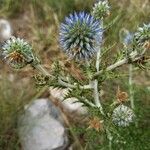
[98, 60]
[95, 82]
[131, 86]
[42, 70]
[109, 136]
[134, 57]
[65, 84]
[96, 96]
[72, 86]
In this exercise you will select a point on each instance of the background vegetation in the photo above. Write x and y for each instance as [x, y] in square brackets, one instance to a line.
[38, 22]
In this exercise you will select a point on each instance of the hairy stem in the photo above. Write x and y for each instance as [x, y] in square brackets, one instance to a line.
[95, 82]
[131, 92]
[98, 60]
[63, 83]
[96, 96]
[73, 86]
[133, 56]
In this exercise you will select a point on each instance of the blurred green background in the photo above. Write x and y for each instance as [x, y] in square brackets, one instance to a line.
[38, 21]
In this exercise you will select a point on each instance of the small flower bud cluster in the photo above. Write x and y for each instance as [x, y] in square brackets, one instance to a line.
[142, 35]
[17, 53]
[101, 9]
[122, 116]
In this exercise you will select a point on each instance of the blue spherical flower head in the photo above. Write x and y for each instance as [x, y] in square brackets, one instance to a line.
[128, 39]
[80, 35]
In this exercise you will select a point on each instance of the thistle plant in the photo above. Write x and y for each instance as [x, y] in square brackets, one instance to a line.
[81, 39]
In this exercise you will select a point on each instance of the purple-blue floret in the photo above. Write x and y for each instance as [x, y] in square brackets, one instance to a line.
[80, 35]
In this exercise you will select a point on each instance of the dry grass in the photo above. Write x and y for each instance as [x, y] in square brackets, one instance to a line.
[38, 22]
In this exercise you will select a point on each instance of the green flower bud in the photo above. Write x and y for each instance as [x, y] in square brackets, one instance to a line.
[17, 53]
[142, 35]
[122, 116]
[101, 9]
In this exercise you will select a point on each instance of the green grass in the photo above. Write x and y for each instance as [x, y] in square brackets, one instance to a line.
[13, 96]
[41, 29]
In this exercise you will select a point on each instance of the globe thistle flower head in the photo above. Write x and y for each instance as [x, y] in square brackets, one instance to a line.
[17, 53]
[142, 35]
[122, 116]
[101, 9]
[128, 39]
[80, 35]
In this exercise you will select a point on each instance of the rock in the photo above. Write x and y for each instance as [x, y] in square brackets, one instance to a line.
[72, 105]
[5, 30]
[40, 127]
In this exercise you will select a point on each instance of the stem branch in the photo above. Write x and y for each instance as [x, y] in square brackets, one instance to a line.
[131, 86]
[133, 56]
[96, 96]
[65, 84]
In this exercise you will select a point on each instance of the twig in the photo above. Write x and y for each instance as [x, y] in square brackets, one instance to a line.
[98, 59]
[68, 85]
[60, 81]
[95, 82]
[131, 86]
[133, 56]
[90, 104]
[96, 96]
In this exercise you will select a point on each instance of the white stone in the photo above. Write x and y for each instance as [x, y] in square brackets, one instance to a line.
[40, 128]
[70, 104]
[5, 30]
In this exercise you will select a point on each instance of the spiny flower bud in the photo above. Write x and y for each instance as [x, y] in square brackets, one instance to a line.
[17, 53]
[101, 9]
[122, 116]
[80, 35]
[142, 35]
